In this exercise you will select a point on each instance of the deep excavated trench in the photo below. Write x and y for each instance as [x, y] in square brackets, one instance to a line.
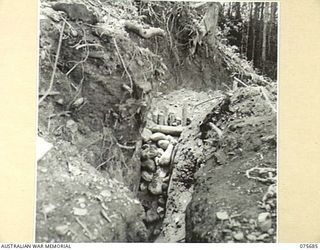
[160, 138]
[170, 115]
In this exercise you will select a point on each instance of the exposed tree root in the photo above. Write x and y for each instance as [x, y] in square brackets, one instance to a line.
[55, 65]
[142, 31]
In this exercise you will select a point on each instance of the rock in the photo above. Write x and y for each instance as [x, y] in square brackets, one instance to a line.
[43, 170]
[148, 165]
[252, 221]
[155, 187]
[136, 201]
[82, 199]
[264, 221]
[158, 136]
[256, 233]
[235, 224]
[268, 207]
[74, 170]
[80, 211]
[271, 231]
[228, 237]
[263, 217]
[161, 172]
[251, 237]
[105, 193]
[143, 186]
[263, 236]
[62, 229]
[77, 103]
[238, 236]
[222, 215]
[151, 216]
[161, 202]
[73, 32]
[164, 187]
[146, 135]
[156, 232]
[72, 125]
[146, 176]
[47, 209]
[160, 210]
[163, 144]
[166, 179]
[60, 101]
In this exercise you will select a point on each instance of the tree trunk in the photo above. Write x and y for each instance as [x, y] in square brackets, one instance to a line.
[237, 9]
[272, 29]
[264, 35]
[229, 9]
[207, 27]
[260, 36]
[249, 32]
[255, 20]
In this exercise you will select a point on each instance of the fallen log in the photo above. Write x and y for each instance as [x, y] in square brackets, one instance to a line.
[142, 31]
[168, 130]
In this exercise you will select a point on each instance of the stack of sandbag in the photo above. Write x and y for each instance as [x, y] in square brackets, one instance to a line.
[156, 156]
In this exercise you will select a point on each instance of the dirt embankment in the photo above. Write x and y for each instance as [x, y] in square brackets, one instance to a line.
[234, 196]
[92, 110]
[223, 181]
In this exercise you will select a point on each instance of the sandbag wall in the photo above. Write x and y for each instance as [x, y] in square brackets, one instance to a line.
[160, 139]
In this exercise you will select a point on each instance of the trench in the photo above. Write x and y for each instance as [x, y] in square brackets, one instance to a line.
[160, 138]
[171, 114]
